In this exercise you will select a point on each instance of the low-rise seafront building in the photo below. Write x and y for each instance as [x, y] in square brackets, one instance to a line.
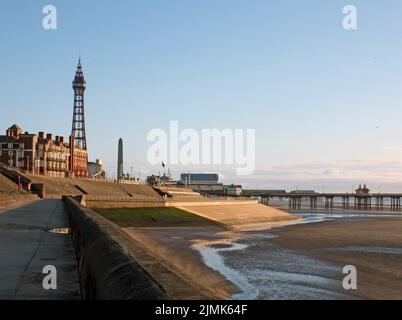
[95, 170]
[42, 154]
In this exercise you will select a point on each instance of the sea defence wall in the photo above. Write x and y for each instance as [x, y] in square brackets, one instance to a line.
[9, 200]
[107, 270]
[38, 189]
[108, 202]
[56, 187]
[7, 186]
[16, 177]
[235, 213]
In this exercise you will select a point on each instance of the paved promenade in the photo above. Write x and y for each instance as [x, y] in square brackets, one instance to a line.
[27, 246]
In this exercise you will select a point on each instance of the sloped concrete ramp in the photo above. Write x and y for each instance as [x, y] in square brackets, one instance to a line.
[241, 215]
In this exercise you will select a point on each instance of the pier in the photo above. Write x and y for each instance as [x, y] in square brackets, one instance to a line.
[333, 201]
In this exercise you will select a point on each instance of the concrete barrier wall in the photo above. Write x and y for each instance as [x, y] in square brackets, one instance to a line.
[109, 202]
[107, 271]
[6, 201]
[123, 204]
[15, 176]
[179, 203]
[39, 189]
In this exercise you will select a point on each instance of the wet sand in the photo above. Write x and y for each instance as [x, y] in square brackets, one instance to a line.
[174, 247]
[299, 261]
[372, 245]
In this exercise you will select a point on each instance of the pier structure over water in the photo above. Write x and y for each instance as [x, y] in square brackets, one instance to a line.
[333, 201]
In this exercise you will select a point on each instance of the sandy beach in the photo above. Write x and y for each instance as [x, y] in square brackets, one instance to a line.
[372, 245]
[297, 261]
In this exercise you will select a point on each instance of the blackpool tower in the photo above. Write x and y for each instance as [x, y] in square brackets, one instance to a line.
[78, 130]
[78, 139]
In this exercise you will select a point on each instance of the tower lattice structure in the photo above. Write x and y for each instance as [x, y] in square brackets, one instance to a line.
[78, 129]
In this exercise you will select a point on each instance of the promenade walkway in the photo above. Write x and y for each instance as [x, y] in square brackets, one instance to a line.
[27, 246]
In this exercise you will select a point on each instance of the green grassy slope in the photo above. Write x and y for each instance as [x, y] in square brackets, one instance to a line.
[155, 217]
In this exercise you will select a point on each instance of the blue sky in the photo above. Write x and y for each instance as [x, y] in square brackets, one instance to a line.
[325, 102]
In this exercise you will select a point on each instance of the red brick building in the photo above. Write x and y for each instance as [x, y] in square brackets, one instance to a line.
[42, 154]
[78, 161]
[53, 156]
[18, 149]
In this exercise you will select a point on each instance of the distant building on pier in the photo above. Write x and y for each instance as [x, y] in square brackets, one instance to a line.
[232, 190]
[363, 191]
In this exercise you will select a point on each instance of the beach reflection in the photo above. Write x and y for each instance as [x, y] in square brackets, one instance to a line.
[210, 253]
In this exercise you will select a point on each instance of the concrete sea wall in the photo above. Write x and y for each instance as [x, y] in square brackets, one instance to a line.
[107, 270]
[108, 202]
[121, 202]
[6, 200]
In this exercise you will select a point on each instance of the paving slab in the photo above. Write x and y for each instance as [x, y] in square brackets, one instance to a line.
[27, 246]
